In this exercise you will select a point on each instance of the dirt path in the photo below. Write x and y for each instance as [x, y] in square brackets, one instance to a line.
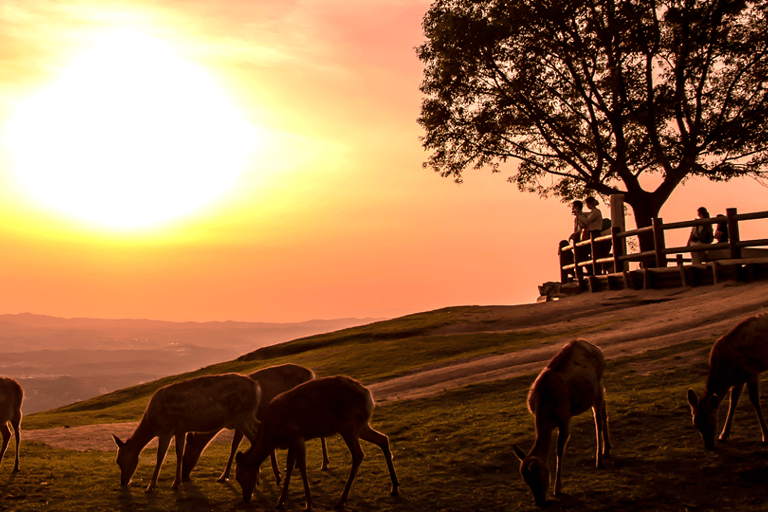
[620, 322]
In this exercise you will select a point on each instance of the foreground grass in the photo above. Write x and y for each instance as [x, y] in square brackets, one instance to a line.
[453, 452]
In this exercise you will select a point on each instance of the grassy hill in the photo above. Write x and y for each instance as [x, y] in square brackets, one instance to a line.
[453, 451]
[369, 353]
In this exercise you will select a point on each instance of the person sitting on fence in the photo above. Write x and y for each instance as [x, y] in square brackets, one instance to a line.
[595, 227]
[579, 230]
[721, 230]
[594, 219]
[579, 221]
[700, 235]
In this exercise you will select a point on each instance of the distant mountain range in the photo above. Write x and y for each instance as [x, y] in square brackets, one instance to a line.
[59, 361]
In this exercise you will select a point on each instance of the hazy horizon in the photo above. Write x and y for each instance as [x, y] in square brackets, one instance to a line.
[59, 361]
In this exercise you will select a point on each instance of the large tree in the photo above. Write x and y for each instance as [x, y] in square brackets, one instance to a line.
[594, 95]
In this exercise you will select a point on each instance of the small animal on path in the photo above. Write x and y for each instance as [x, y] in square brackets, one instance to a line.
[569, 385]
[318, 408]
[737, 358]
[272, 381]
[11, 396]
[200, 404]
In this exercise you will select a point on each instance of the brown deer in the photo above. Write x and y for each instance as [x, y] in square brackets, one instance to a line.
[318, 408]
[200, 404]
[738, 357]
[11, 395]
[273, 381]
[569, 385]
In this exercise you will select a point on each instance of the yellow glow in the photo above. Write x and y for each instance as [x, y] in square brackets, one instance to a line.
[130, 136]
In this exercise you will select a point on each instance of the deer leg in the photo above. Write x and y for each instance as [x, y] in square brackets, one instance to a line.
[179, 457]
[236, 439]
[601, 430]
[162, 447]
[275, 469]
[301, 462]
[6, 438]
[598, 434]
[16, 423]
[353, 443]
[753, 387]
[326, 460]
[735, 394]
[382, 441]
[563, 434]
[606, 435]
[288, 471]
[195, 443]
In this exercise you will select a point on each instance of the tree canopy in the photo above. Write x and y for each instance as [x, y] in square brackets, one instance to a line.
[595, 95]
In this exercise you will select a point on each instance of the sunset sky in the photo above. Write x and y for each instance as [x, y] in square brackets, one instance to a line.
[251, 161]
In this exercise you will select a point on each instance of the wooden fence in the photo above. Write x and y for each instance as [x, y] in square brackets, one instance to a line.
[587, 261]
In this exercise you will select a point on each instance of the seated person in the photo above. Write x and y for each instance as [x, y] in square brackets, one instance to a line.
[721, 229]
[595, 227]
[700, 235]
[579, 221]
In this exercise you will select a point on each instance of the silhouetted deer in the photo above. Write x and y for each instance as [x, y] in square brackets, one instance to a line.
[318, 408]
[738, 357]
[273, 381]
[200, 404]
[11, 396]
[569, 385]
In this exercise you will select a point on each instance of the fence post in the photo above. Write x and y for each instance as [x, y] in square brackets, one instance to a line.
[618, 249]
[593, 251]
[618, 221]
[577, 270]
[733, 233]
[658, 242]
[561, 253]
[681, 269]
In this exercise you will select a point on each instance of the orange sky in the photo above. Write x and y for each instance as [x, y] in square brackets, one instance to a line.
[331, 214]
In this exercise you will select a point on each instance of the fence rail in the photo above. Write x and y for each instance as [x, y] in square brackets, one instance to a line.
[591, 255]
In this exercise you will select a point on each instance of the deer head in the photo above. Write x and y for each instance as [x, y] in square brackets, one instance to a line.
[704, 414]
[535, 473]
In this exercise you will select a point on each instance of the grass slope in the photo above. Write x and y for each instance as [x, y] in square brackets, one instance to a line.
[368, 353]
[453, 451]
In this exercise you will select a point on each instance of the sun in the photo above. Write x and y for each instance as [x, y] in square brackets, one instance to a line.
[130, 135]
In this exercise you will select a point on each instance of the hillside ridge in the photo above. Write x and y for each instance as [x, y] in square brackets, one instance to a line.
[622, 323]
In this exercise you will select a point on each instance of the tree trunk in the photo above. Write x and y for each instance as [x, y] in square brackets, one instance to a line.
[645, 210]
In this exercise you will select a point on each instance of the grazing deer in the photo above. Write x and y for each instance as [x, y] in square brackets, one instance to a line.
[569, 385]
[11, 396]
[273, 381]
[318, 408]
[200, 404]
[738, 357]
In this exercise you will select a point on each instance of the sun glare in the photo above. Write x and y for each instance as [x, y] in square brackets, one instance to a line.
[130, 136]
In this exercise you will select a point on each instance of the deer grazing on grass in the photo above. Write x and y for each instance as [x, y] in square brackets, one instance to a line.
[11, 396]
[318, 408]
[738, 357]
[200, 404]
[273, 381]
[569, 385]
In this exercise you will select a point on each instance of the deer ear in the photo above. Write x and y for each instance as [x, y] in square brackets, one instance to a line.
[693, 400]
[118, 442]
[712, 401]
[239, 457]
[519, 453]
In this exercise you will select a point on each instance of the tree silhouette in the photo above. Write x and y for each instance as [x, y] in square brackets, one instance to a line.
[597, 95]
